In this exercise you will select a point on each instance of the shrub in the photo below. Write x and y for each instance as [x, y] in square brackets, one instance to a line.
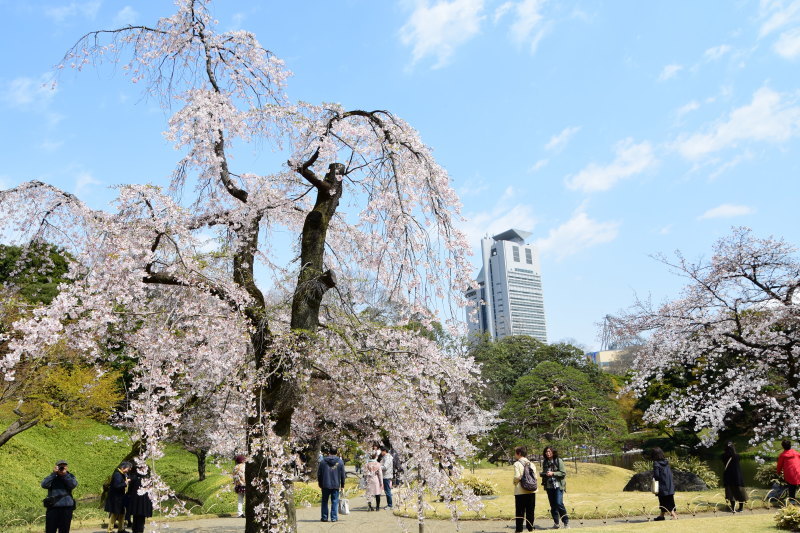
[788, 518]
[690, 464]
[766, 475]
[479, 486]
[305, 493]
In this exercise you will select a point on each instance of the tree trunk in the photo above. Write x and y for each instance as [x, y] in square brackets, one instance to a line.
[15, 428]
[201, 454]
[312, 462]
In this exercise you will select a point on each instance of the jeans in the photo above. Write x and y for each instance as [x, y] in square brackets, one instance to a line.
[557, 509]
[333, 494]
[387, 488]
[524, 505]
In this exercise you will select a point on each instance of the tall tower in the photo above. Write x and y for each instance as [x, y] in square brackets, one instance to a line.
[509, 298]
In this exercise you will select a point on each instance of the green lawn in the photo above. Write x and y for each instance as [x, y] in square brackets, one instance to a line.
[594, 491]
[756, 523]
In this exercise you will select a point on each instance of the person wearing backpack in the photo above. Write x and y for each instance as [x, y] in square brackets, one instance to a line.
[525, 488]
[553, 480]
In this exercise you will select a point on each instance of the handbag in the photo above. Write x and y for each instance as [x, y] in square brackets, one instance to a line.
[654, 486]
[50, 501]
[344, 506]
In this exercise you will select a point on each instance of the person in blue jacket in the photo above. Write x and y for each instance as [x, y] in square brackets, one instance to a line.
[666, 488]
[330, 477]
[59, 484]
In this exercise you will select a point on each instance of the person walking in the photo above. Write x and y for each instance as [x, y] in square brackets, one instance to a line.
[387, 469]
[59, 502]
[553, 480]
[330, 477]
[732, 478]
[789, 466]
[524, 499]
[239, 483]
[373, 483]
[666, 488]
[139, 506]
[115, 501]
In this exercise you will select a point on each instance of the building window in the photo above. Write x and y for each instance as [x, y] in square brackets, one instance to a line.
[528, 256]
[515, 249]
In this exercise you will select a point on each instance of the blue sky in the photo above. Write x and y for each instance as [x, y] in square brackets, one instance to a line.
[611, 130]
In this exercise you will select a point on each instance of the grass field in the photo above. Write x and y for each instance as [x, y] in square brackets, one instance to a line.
[756, 523]
[594, 491]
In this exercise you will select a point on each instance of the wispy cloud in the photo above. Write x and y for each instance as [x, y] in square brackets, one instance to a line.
[438, 30]
[630, 159]
[694, 105]
[769, 117]
[539, 165]
[577, 234]
[716, 52]
[63, 12]
[560, 140]
[84, 180]
[788, 44]
[669, 72]
[776, 14]
[506, 213]
[127, 16]
[29, 94]
[528, 26]
[727, 211]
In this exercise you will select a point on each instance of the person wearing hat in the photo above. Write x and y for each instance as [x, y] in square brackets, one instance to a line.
[59, 502]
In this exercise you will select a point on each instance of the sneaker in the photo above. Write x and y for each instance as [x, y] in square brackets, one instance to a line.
[555, 526]
[661, 517]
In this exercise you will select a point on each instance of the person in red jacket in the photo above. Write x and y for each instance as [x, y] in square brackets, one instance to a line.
[789, 464]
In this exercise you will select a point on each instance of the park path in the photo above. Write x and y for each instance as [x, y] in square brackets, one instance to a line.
[362, 521]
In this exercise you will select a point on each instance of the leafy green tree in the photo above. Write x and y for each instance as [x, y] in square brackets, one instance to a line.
[557, 405]
[34, 271]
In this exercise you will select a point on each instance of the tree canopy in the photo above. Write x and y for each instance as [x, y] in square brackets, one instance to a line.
[371, 212]
[729, 341]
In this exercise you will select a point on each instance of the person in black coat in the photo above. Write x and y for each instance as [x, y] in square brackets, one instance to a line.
[732, 478]
[139, 506]
[115, 502]
[666, 488]
[60, 504]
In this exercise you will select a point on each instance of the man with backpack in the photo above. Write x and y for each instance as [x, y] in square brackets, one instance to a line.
[525, 487]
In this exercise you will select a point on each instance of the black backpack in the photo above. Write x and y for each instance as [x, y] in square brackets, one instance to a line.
[528, 480]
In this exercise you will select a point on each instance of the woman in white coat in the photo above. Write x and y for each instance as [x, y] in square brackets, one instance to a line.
[373, 483]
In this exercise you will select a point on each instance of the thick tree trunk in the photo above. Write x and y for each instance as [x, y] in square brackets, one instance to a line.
[201, 463]
[15, 428]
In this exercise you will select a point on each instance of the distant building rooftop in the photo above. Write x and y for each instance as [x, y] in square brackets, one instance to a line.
[513, 235]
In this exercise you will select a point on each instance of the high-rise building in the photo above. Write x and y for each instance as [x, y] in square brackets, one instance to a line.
[509, 298]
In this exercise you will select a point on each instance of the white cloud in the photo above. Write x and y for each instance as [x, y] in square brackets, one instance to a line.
[631, 159]
[669, 72]
[665, 230]
[727, 211]
[86, 9]
[127, 16]
[473, 187]
[83, 181]
[29, 94]
[788, 44]
[539, 165]
[51, 146]
[577, 234]
[768, 117]
[688, 108]
[778, 14]
[439, 29]
[503, 215]
[500, 12]
[561, 139]
[716, 52]
[528, 26]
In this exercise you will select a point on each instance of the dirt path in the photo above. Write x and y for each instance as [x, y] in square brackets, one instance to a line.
[362, 521]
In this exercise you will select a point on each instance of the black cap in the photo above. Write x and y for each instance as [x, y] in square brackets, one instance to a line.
[61, 462]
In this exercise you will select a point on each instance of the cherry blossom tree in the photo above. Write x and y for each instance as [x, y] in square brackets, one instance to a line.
[372, 212]
[733, 335]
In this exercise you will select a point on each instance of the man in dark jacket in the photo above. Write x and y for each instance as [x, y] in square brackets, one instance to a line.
[59, 485]
[330, 477]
